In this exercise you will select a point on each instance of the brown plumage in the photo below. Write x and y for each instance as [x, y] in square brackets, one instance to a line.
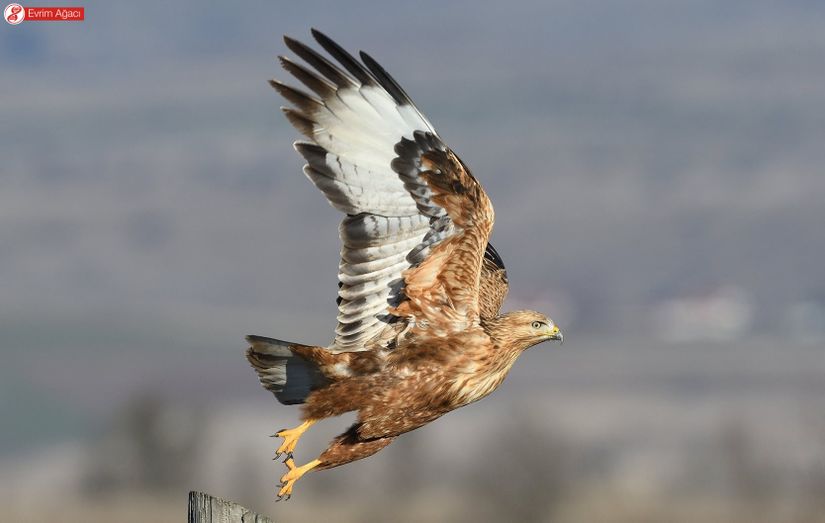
[419, 329]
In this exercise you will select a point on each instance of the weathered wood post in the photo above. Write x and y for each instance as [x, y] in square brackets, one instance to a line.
[204, 508]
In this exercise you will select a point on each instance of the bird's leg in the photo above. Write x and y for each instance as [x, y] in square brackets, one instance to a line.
[291, 437]
[344, 449]
[348, 447]
[294, 474]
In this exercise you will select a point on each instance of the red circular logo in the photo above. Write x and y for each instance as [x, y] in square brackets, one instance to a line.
[14, 14]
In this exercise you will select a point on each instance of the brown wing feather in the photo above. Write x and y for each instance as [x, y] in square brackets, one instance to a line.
[443, 290]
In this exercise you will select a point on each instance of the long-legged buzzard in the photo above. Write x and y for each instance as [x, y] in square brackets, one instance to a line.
[419, 330]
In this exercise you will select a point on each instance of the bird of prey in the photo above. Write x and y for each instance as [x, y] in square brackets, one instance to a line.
[420, 288]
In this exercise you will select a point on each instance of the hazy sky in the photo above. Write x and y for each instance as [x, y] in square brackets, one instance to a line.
[151, 205]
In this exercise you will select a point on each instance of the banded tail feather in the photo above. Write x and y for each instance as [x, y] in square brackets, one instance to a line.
[281, 371]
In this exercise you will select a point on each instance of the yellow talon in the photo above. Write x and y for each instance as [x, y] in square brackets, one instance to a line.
[288, 480]
[291, 437]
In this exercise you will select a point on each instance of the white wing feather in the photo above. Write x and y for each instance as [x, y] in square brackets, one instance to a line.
[354, 125]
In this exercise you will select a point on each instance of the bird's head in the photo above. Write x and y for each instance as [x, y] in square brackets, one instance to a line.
[526, 328]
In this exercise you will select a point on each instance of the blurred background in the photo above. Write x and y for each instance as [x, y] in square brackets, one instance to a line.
[657, 171]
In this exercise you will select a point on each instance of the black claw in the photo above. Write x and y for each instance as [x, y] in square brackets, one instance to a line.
[288, 457]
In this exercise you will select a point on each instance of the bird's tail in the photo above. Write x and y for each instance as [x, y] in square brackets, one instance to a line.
[283, 372]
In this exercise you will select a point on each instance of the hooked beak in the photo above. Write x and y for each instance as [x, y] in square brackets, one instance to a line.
[555, 334]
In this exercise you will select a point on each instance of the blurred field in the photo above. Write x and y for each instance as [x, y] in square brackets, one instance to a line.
[592, 431]
[656, 168]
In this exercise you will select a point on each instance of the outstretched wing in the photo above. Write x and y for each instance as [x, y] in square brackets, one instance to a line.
[417, 221]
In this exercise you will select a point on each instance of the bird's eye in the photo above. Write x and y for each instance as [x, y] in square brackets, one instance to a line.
[536, 324]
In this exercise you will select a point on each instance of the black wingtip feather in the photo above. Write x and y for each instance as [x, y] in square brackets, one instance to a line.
[344, 58]
[492, 254]
[313, 153]
[300, 121]
[321, 64]
[317, 84]
[386, 81]
[302, 100]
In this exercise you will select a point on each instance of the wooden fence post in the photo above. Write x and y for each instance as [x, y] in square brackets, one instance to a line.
[204, 508]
